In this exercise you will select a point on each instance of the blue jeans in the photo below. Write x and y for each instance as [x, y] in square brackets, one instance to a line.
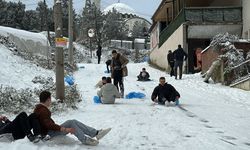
[81, 130]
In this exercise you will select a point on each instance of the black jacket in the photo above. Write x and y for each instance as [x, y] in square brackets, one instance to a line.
[180, 54]
[99, 51]
[170, 58]
[2, 125]
[167, 91]
[143, 78]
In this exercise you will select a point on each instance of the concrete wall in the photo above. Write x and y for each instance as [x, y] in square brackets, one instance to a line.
[207, 58]
[246, 19]
[158, 56]
[245, 85]
[154, 37]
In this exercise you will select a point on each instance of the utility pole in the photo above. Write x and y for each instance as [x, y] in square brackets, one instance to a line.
[60, 88]
[71, 61]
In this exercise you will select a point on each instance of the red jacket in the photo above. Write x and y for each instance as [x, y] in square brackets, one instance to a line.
[45, 120]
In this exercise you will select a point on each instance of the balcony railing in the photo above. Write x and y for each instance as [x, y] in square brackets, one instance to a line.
[202, 15]
[238, 73]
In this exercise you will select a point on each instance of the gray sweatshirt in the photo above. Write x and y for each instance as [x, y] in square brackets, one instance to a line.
[108, 93]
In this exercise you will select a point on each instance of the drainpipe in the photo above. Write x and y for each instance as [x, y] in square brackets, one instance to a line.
[185, 46]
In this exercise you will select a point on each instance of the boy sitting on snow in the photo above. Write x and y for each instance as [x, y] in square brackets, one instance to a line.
[143, 76]
[165, 92]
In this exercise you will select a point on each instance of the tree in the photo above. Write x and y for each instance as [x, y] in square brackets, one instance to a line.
[30, 20]
[14, 14]
[3, 12]
[140, 29]
[114, 27]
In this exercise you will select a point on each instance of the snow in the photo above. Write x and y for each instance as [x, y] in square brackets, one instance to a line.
[36, 37]
[215, 116]
[211, 116]
[121, 8]
[17, 72]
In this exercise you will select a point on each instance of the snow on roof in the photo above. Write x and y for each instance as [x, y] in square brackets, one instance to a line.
[121, 8]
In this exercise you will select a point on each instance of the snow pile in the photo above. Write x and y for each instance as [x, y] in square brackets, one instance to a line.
[34, 43]
[23, 77]
[37, 59]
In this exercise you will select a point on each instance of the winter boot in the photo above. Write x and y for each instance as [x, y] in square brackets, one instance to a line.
[101, 133]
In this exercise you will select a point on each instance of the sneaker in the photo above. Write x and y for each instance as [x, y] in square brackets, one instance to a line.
[33, 138]
[167, 103]
[45, 137]
[101, 133]
[91, 142]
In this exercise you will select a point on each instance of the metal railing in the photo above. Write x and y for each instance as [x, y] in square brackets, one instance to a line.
[201, 15]
[170, 29]
[238, 73]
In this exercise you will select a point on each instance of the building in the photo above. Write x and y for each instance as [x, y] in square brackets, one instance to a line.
[246, 19]
[129, 15]
[192, 24]
[131, 18]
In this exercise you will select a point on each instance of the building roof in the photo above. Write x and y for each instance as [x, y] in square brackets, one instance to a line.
[121, 8]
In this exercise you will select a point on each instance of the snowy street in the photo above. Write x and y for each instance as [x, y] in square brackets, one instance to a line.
[211, 116]
[54, 55]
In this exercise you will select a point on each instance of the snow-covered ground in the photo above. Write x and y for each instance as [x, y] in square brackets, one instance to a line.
[18, 72]
[211, 116]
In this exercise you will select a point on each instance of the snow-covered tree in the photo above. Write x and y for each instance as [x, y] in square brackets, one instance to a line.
[140, 29]
[30, 20]
[114, 27]
[3, 12]
[230, 57]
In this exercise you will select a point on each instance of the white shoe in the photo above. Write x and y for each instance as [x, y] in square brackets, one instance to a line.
[102, 133]
[167, 103]
[91, 142]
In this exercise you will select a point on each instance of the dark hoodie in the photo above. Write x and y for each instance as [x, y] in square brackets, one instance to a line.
[45, 120]
[166, 91]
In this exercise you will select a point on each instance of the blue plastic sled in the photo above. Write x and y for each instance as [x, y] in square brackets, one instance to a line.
[135, 95]
[69, 80]
[97, 100]
[106, 71]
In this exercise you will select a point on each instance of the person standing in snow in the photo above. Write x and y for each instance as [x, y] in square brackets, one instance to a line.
[108, 63]
[165, 92]
[108, 93]
[85, 134]
[21, 126]
[171, 62]
[99, 53]
[119, 70]
[179, 56]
